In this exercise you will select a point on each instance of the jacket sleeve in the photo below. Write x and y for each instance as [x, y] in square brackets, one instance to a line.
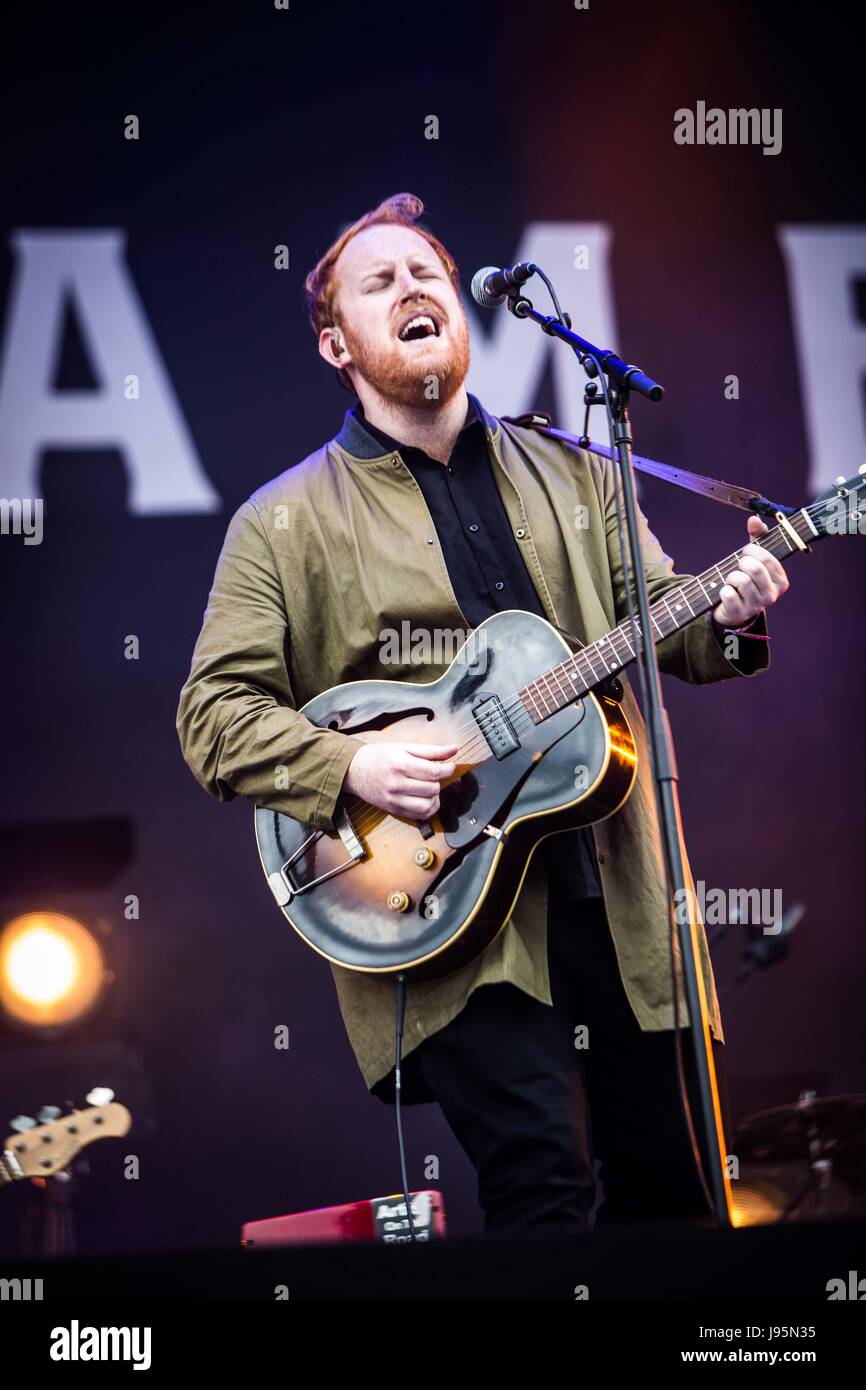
[699, 652]
[237, 720]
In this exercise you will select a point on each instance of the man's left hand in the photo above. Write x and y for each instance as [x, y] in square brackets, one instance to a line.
[758, 581]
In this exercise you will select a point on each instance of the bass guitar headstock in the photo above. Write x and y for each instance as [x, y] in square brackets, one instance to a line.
[38, 1151]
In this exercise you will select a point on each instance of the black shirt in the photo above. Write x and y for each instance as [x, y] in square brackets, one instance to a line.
[488, 574]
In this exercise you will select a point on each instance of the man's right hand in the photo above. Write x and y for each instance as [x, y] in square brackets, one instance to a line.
[402, 778]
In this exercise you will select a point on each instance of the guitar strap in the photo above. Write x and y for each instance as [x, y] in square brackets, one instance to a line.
[747, 499]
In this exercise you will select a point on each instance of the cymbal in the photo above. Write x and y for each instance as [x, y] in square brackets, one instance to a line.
[766, 1193]
[810, 1129]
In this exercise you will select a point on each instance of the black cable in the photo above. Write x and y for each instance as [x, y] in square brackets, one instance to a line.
[400, 1001]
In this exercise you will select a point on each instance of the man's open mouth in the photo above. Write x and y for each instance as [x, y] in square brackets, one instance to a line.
[418, 326]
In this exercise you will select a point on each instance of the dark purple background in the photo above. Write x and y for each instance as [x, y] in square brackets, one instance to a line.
[260, 127]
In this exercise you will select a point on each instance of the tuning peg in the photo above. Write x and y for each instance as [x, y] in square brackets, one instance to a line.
[99, 1095]
[22, 1123]
[48, 1113]
[862, 468]
[837, 482]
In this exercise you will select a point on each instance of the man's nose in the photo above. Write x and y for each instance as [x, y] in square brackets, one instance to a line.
[409, 286]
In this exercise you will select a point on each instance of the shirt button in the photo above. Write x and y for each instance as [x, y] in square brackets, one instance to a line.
[473, 526]
[450, 468]
[520, 534]
[499, 584]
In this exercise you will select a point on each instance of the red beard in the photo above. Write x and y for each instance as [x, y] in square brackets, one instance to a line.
[397, 378]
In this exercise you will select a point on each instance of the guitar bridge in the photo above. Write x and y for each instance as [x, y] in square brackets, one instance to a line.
[281, 883]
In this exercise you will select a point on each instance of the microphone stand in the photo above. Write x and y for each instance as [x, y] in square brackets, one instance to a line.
[621, 380]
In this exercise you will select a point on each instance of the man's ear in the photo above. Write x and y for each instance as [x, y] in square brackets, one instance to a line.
[333, 348]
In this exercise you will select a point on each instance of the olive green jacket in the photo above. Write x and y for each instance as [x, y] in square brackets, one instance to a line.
[317, 568]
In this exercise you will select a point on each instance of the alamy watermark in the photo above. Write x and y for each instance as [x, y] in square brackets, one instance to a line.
[20, 1290]
[717, 907]
[77, 1343]
[736, 126]
[845, 515]
[22, 516]
[437, 646]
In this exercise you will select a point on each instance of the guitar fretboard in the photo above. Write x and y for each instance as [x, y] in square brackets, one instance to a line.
[583, 670]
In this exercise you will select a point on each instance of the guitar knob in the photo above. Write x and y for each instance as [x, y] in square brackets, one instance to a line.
[424, 857]
[398, 901]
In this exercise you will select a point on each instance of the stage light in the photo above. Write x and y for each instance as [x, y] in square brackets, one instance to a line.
[52, 970]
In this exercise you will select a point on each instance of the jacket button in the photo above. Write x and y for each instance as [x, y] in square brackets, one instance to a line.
[429, 540]
[520, 534]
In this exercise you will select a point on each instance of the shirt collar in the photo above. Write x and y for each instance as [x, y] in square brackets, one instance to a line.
[366, 441]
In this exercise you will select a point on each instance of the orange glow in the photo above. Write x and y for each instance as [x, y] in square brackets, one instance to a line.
[52, 969]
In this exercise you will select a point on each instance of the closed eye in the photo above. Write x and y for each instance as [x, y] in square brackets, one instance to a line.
[385, 278]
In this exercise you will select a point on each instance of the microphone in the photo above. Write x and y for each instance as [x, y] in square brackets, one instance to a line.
[490, 285]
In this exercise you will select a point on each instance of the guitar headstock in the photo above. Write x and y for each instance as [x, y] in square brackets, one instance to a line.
[840, 510]
[45, 1149]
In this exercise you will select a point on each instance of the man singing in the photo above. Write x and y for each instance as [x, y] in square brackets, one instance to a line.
[555, 1048]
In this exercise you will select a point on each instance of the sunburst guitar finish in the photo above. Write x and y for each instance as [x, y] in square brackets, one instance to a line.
[392, 896]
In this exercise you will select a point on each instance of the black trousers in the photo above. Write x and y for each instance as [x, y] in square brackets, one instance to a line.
[534, 1112]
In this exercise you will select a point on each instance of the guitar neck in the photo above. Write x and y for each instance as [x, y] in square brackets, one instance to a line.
[680, 604]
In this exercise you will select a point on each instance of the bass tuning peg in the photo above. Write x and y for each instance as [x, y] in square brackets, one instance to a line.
[22, 1123]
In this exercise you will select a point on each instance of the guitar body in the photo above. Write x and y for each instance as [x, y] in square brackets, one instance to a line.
[425, 898]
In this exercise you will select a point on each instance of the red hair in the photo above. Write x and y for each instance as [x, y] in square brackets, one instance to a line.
[402, 209]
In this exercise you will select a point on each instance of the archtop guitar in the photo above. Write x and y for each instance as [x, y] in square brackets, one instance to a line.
[543, 747]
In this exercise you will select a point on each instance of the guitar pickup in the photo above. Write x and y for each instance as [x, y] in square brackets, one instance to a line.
[496, 726]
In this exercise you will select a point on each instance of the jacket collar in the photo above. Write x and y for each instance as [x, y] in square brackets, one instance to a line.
[356, 440]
